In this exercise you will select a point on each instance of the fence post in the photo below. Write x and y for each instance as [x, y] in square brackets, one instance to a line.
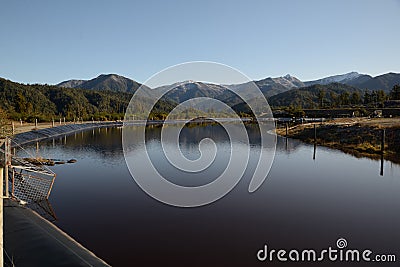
[7, 161]
[315, 133]
[286, 129]
[12, 183]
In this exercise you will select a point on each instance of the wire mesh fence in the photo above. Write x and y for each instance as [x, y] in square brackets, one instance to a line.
[30, 186]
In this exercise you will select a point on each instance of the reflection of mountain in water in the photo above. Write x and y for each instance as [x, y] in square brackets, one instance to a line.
[190, 135]
[107, 142]
[103, 141]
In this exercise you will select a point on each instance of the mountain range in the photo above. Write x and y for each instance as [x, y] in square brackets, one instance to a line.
[269, 86]
[108, 95]
[286, 87]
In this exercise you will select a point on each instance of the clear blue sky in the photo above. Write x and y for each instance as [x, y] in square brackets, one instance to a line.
[51, 41]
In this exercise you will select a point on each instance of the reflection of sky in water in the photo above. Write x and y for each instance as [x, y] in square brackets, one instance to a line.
[302, 203]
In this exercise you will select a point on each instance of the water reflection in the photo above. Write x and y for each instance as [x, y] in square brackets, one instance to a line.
[44, 209]
[304, 203]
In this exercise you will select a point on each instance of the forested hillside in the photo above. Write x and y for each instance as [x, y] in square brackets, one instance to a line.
[332, 95]
[46, 102]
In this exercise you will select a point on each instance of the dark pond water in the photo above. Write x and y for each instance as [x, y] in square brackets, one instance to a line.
[303, 203]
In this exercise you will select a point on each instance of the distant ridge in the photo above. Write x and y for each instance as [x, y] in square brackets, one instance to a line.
[384, 82]
[341, 78]
[71, 83]
[272, 86]
[269, 86]
[104, 82]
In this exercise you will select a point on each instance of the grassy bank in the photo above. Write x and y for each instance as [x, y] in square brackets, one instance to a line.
[360, 137]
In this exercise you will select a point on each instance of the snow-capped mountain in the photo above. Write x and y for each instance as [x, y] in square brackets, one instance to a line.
[288, 81]
[342, 78]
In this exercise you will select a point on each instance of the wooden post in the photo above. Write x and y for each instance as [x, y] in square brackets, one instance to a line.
[7, 154]
[13, 128]
[12, 183]
[383, 141]
[35, 123]
[64, 120]
[315, 134]
[60, 121]
[52, 122]
[37, 149]
[1, 219]
[286, 129]
[2, 183]
[20, 121]
[51, 186]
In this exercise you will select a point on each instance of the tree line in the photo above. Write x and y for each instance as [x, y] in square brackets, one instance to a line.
[48, 102]
[374, 98]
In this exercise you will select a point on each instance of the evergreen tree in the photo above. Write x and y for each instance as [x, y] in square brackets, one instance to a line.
[395, 92]
[367, 97]
[355, 98]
